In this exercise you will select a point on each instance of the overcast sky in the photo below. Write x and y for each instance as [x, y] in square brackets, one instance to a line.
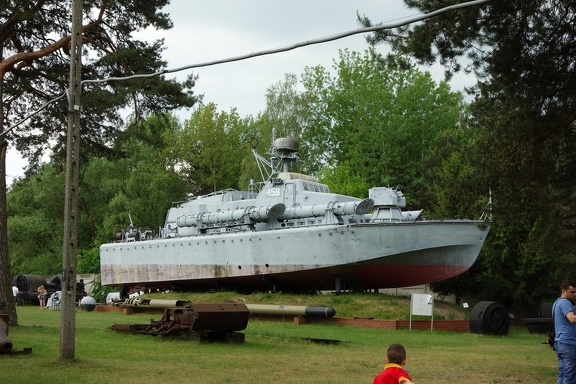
[212, 30]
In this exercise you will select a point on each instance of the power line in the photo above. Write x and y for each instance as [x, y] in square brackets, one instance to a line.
[338, 36]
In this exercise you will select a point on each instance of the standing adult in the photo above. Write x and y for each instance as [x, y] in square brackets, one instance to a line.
[15, 292]
[565, 329]
[42, 294]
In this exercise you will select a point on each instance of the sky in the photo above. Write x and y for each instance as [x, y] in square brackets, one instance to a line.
[206, 31]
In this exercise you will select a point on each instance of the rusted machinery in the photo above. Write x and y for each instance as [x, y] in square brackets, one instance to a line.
[220, 321]
[5, 343]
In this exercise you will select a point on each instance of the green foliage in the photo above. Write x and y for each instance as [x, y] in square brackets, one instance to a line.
[345, 180]
[285, 112]
[88, 260]
[206, 150]
[35, 223]
[382, 121]
[454, 188]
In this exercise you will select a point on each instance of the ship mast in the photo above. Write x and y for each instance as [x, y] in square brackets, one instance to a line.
[282, 152]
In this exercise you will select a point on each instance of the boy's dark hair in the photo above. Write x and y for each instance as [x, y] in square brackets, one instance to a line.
[567, 284]
[396, 354]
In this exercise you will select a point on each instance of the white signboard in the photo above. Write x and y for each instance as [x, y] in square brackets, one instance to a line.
[422, 305]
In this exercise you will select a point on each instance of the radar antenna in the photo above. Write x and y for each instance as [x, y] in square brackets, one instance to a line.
[283, 149]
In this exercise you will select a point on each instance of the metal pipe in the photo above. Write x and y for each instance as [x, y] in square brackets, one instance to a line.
[359, 207]
[258, 214]
[290, 310]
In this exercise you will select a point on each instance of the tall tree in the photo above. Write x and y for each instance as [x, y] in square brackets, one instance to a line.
[35, 211]
[208, 149]
[34, 66]
[382, 121]
[523, 54]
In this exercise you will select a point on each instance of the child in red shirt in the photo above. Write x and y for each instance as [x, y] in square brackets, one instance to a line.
[393, 372]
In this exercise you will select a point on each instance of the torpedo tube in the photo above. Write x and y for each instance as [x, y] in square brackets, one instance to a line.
[291, 310]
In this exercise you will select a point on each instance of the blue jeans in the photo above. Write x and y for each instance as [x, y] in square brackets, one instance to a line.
[566, 363]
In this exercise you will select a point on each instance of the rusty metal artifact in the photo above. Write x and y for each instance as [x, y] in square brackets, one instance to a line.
[219, 321]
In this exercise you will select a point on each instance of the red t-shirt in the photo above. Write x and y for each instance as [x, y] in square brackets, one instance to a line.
[392, 374]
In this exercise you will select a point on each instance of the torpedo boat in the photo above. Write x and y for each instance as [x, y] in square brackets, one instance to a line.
[291, 234]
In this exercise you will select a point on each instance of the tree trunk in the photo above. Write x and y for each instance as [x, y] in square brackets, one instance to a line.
[70, 244]
[7, 305]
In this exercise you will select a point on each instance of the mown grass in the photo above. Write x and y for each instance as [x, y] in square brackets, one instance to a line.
[273, 352]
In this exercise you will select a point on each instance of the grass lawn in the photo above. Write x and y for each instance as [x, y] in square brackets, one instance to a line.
[273, 352]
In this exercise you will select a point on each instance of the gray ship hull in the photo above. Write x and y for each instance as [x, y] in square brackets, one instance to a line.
[358, 255]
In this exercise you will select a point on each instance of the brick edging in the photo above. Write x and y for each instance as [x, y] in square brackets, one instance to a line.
[436, 325]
